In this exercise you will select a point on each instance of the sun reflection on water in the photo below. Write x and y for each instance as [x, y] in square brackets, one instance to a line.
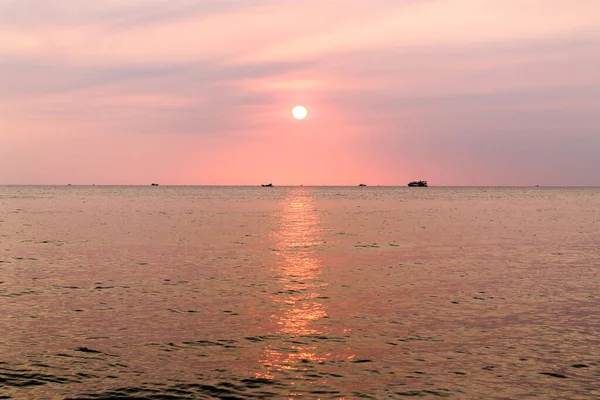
[298, 239]
[300, 303]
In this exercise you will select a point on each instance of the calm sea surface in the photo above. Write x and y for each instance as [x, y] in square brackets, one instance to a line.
[235, 293]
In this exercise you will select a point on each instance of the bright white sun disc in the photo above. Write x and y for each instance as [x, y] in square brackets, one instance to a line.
[299, 112]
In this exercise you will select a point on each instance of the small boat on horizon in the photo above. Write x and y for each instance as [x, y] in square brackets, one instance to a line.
[417, 184]
[362, 184]
[154, 184]
[267, 185]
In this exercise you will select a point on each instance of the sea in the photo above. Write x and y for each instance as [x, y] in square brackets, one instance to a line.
[164, 292]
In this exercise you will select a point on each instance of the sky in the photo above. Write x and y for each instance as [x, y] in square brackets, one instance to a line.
[200, 92]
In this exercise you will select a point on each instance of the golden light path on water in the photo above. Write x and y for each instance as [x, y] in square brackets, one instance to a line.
[303, 293]
[300, 303]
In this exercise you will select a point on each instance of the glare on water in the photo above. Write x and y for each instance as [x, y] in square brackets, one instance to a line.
[208, 292]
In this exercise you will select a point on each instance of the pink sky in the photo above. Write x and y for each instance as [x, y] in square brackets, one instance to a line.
[458, 92]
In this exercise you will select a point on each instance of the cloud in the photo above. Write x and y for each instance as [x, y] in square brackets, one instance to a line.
[433, 88]
[447, 23]
[148, 31]
[111, 13]
[199, 98]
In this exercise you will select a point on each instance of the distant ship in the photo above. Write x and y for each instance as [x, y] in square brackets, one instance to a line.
[362, 184]
[418, 184]
[154, 184]
[267, 185]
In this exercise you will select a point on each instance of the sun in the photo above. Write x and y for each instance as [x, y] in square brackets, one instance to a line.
[299, 112]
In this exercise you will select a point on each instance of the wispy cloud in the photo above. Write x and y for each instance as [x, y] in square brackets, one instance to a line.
[435, 88]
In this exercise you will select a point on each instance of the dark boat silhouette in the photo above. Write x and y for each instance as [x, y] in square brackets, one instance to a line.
[267, 185]
[418, 184]
[154, 184]
[362, 184]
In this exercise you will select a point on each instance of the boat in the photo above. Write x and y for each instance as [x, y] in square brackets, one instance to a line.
[418, 184]
[154, 184]
[267, 185]
[362, 184]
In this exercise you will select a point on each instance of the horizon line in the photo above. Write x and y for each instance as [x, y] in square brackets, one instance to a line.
[276, 186]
